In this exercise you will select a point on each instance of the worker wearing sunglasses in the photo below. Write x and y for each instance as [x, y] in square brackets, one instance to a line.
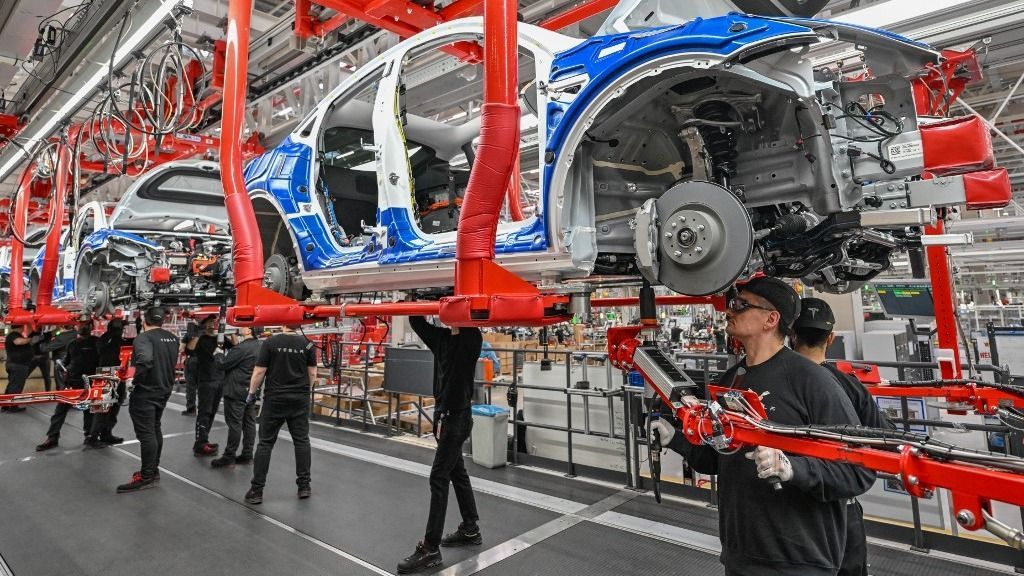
[778, 514]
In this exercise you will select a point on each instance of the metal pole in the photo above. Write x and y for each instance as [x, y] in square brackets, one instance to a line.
[915, 509]
[625, 429]
[945, 302]
[513, 397]
[636, 448]
[993, 347]
[366, 389]
[571, 469]
[1006, 100]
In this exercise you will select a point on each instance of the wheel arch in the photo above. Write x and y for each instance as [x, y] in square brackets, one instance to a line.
[275, 234]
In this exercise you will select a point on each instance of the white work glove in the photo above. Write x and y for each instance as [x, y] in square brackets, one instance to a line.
[771, 462]
[666, 431]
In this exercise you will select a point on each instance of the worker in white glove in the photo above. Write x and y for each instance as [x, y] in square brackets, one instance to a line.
[771, 463]
[666, 431]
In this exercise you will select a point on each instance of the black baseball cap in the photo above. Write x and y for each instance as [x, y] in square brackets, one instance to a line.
[116, 323]
[815, 313]
[779, 294]
[154, 316]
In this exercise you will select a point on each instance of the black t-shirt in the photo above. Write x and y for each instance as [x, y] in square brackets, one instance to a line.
[83, 357]
[208, 370]
[287, 358]
[455, 358]
[109, 346]
[17, 353]
[863, 404]
[801, 529]
[154, 355]
[40, 341]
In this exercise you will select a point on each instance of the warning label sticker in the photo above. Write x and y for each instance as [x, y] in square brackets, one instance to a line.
[905, 150]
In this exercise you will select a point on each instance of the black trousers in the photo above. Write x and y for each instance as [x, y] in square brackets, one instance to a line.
[60, 413]
[209, 401]
[43, 363]
[855, 559]
[17, 374]
[191, 382]
[146, 413]
[104, 422]
[293, 410]
[241, 421]
[449, 467]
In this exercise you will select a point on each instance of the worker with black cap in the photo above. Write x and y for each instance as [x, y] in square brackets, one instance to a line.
[812, 335]
[211, 385]
[778, 514]
[154, 356]
[109, 347]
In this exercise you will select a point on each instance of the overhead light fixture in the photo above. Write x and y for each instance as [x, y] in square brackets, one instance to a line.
[126, 48]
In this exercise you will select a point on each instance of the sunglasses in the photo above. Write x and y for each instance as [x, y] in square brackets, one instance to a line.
[739, 305]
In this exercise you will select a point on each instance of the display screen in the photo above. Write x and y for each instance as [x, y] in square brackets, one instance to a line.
[409, 371]
[904, 299]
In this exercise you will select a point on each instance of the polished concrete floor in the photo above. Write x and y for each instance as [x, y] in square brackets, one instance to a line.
[60, 514]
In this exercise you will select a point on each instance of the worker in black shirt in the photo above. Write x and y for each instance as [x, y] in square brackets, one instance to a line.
[154, 356]
[191, 369]
[456, 351]
[812, 335]
[211, 385]
[799, 528]
[58, 348]
[18, 347]
[238, 365]
[40, 356]
[109, 347]
[81, 362]
[288, 362]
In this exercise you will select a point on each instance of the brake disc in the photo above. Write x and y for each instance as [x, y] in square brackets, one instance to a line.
[704, 238]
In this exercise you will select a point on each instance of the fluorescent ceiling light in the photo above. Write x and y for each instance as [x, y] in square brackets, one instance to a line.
[75, 101]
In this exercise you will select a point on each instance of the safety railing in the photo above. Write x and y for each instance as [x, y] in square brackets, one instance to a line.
[336, 395]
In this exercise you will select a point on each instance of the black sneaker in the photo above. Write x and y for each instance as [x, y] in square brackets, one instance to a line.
[305, 491]
[422, 558]
[93, 442]
[111, 439]
[254, 496]
[243, 459]
[188, 412]
[466, 535]
[222, 462]
[47, 444]
[138, 483]
[14, 409]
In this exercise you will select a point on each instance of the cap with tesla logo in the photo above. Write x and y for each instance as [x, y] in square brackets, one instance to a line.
[815, 313]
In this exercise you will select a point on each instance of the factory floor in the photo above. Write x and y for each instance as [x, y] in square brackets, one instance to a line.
[60, 514]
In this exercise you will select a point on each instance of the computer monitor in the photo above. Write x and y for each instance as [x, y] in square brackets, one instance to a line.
[906, 299]
[409, 370]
